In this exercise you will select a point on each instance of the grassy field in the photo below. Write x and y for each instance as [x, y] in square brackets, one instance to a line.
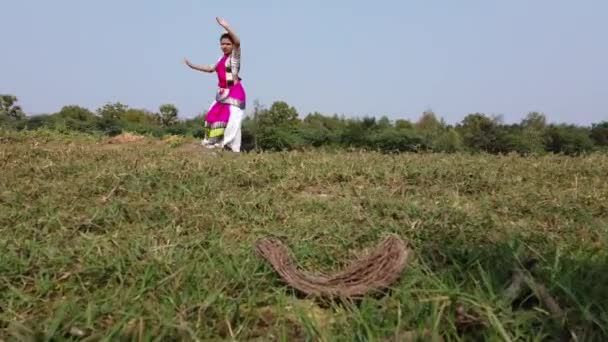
[154, 240]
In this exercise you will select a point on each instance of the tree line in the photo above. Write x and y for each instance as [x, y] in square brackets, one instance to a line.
[279, 127]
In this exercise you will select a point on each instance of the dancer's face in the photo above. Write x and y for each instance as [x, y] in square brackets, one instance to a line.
[226, 46]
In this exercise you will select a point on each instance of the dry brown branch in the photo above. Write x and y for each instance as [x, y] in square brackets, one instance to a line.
[522, 280]
[548, 301]
[518, 282]
[107, 197]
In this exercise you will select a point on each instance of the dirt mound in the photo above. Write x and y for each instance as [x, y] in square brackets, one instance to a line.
[126, 138]
[376, 271]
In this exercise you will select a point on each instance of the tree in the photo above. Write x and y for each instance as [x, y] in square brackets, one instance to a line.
[429, 128]
[568, 139]
[254, 125]
[39, 121]
[9, 108]
[534, 120]
[449, 141]
[139, 116]
[318, 120]
[76, 113]
[479, 132]
[280, 113]
[392, 140]
[368, 123]
[384, 123]
[428, 122]
[168, 114]
[314, 120]
[599, 133]
[403, 124]
[112, 111]
[76, 118]
[530, 139]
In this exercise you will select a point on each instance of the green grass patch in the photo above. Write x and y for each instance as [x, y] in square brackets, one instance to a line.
[155, 240]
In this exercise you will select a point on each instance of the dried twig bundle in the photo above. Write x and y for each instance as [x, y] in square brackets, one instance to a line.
[376, 271]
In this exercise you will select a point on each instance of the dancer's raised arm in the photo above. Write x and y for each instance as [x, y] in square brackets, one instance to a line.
[235, 39]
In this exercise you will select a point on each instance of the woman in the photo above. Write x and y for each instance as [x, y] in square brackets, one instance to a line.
[223, 121]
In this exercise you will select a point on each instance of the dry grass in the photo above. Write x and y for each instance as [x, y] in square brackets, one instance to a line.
[366, 275]
[126, 138]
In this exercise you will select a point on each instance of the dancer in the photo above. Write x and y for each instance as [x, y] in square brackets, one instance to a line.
[224, 118]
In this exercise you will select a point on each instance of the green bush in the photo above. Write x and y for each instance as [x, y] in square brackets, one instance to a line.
[599, 133]
[248, 142]
[7, 122]
[279, 138]
[39, 121]
[392, 140]
[449, 142]
[355, 134]
[524, 142]
[568, 139]
[316, 136]
[177, 130]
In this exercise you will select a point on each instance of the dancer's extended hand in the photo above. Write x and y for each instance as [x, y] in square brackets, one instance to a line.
[223, 23]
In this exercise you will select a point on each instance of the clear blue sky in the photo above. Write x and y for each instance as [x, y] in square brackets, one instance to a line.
[351, 57]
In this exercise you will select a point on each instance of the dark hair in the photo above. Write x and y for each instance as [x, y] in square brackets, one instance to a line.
[226, 36]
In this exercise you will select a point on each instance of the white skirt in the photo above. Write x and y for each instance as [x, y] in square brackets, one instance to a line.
[232, 132]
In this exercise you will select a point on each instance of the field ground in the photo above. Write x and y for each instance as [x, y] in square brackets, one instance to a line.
[145, 240]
